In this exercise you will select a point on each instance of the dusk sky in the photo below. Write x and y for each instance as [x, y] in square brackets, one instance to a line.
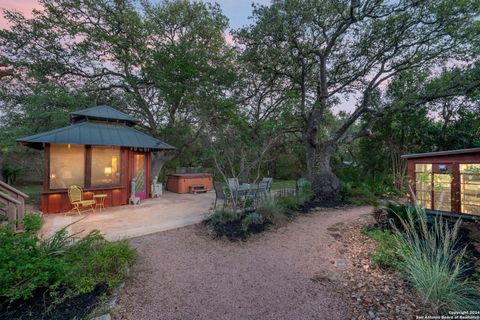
[237, 11]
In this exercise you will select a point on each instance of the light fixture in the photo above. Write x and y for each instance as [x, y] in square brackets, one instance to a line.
[108, 171]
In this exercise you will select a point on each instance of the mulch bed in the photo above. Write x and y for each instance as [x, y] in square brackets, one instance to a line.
[233, 230]
[315, 205]
[374, 292]
[36, 308]
[469, 238]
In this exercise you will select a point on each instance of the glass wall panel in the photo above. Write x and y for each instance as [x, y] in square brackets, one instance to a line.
[423, 185]
[105, 166]
[442, 192]
[470, 188]
[67, 165]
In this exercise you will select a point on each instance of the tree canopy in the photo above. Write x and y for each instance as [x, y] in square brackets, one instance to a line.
[266, 104]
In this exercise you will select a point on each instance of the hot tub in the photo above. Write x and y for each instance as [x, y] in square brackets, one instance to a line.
[181, 182]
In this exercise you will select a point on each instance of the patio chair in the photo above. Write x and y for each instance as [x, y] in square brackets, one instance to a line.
[233, 184]
[75, 194]
[261, 193]
[219, 194]
[269, 182]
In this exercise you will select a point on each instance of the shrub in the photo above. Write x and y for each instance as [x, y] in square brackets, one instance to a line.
[434, 263]
[29, 265]
[94, 260]
[251, 220]
[32, 222]
[24, 267]
[399, 212]
[290, 204]
[272, 211]
[221, 217]
[393, 213]
[305, 193]
[359, 195]
[387, 252]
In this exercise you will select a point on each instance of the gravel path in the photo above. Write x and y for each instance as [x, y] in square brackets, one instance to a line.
[183, 274]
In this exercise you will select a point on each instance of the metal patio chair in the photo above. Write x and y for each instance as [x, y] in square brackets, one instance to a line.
[269, 182]
[75, 194]
[233, 184]
[220, 194]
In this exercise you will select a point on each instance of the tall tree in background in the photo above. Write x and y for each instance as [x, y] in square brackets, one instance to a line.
[423, 113]
[167, 63]
[323, 50]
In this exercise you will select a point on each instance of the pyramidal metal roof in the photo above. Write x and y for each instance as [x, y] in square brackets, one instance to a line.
[103, 112]
[101, 133]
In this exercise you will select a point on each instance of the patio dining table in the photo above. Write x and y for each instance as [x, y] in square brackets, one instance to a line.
[247, 189]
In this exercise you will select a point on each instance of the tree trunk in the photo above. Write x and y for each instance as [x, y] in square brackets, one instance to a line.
[310, 157]
[326, 185]
[1, 166]
[158, 161]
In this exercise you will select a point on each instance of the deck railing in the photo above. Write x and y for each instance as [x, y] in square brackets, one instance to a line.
[13, 201]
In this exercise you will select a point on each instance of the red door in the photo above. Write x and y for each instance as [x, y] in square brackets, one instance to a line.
[139, 174]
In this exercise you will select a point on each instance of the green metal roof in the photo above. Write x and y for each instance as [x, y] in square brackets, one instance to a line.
[440, 153]
[96, 133]
[102, 113]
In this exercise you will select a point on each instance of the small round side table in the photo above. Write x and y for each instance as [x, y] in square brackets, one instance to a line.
[99, 201]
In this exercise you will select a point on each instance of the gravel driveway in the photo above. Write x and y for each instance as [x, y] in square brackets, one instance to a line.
[183, 274]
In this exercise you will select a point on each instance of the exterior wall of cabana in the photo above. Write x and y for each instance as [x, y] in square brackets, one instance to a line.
[97, 169]
[446, 182]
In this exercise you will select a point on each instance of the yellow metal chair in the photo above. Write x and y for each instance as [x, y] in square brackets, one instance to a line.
[75, 194]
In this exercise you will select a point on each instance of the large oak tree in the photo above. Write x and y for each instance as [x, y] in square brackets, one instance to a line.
[167, 64]
[321, 51]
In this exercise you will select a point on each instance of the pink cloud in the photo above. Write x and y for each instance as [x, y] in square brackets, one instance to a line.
[23, 6]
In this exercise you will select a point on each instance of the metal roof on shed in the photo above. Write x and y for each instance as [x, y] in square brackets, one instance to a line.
[96, 133]
[440, 153]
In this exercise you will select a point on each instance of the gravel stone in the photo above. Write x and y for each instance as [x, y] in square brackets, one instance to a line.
[284, 273]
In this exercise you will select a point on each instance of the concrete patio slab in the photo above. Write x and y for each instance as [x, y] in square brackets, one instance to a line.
[170, 211]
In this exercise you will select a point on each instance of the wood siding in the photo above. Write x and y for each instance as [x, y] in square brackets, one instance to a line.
[56, 201]
[452, 162]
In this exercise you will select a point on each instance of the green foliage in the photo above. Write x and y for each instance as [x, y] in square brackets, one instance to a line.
[10, 173]
[272, 211]
[387, 251]
[359, 195]
[32, 222]
[305, 192]
[58, 266]
[434, 263]
[398, 212]
[364, 188]
[94, 260]
[33, 191]
[25, 267]
[221, 217]
[250, 220]
[289, 203]
[283, 184]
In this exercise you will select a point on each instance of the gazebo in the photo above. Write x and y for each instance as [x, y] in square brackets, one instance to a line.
[446, 182]
[99, 151]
